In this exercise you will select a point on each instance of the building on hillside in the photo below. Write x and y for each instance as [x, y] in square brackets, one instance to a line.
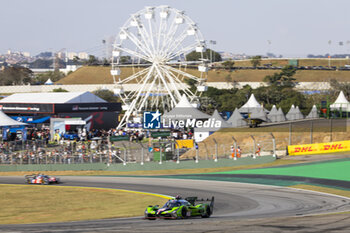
[71, 55]
[83, 56]
[61, 55]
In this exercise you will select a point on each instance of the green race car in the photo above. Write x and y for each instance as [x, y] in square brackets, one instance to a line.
[180, 208]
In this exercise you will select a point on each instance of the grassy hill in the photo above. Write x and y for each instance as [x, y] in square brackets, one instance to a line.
[302, 62]
[101, 75]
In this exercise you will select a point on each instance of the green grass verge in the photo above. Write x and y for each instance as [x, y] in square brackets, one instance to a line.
[336, 170]
[279, 162]
[22, 204]
[339, 192]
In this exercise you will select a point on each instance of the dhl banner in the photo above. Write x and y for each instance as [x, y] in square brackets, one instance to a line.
[185, 143]
[319, 148]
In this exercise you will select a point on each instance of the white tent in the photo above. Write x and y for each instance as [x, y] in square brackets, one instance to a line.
[184, 110]
[217, 117]
[341, 103]
[49, 82]
[313, 113]
[281, 115]
[294, 114]
[290, 114]
[258, 113]
[276, 115]
[202, 133]
[272, 114]
[8, 121]
[236, 120]
[251, 104]
[298, 114]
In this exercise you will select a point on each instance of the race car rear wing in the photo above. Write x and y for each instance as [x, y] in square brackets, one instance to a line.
[193, 200]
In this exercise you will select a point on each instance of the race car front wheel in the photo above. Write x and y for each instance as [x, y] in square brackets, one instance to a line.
[45, 181]
[184, 212]
[150, 217]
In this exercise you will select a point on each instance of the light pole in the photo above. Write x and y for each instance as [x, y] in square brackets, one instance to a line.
[268, 47]
[329, 56]
[213, 42]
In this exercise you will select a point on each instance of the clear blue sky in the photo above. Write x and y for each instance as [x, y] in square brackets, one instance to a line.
[294, 27]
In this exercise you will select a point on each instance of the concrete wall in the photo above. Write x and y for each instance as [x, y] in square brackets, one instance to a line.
[132, 87]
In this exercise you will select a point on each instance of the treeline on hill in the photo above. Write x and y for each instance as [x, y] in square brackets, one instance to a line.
[17, 75]
[279, 92]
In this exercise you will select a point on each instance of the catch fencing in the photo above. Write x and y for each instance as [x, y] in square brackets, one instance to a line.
[72, 152]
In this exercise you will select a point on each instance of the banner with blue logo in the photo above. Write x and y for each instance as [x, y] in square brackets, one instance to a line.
[151, 120]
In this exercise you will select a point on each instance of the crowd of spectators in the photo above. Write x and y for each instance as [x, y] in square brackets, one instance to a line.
[88, 146]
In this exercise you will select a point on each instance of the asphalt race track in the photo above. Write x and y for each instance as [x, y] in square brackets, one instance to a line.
[238, 207]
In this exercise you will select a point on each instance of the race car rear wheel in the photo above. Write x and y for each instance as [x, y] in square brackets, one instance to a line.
[207, 213]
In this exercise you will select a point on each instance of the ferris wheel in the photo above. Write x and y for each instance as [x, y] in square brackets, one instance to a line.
[151, 48]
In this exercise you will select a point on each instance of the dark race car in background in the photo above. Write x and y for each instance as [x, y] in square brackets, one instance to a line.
[180, 208]
[41, 179]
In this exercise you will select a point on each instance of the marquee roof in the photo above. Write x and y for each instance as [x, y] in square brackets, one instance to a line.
[236, 120]
[313, 113]
[8, 121]
[184, 110]
[53, 98]
[251, 105]
[276, 115]
[341, 103]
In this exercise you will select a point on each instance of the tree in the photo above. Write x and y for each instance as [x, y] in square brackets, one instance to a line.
[283, 78]
[76, 60]
[255, 61]
[125, 59]
[15, 75]
[53, 75]
[41, 64]
[290, 97]
[106, 62]
[107, 95]
[59, 90]
[228, 78]
[92, 61]
[224, 99]
[228, 64]
[207, 104]
[195, 56]
[344, 87]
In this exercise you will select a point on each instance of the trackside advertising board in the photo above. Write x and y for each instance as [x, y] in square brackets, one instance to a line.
[319, 148]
